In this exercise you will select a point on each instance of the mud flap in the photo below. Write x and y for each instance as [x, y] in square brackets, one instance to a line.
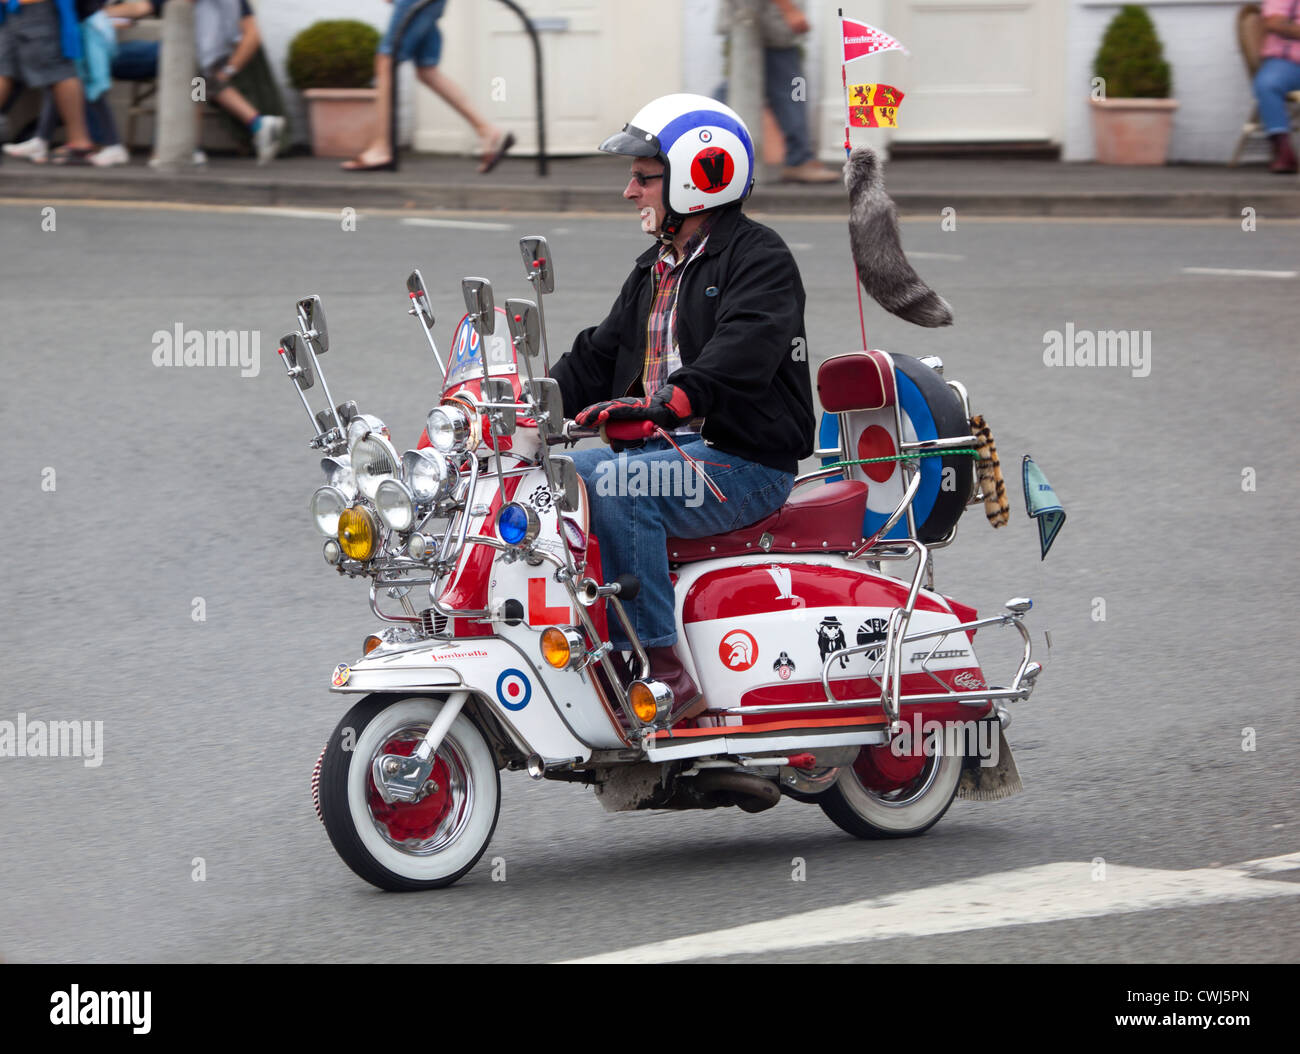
[994, 782]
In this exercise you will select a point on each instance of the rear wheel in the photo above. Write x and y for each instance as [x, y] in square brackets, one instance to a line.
[882, 795]
[402, 846]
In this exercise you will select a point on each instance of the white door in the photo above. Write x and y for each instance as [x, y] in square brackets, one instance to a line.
[978, 70]
[602, 60]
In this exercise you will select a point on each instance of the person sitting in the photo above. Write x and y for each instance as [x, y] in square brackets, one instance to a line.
[706, 341]
[1279, 73]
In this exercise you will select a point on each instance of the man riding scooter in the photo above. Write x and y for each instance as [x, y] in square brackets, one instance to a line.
[706, 342]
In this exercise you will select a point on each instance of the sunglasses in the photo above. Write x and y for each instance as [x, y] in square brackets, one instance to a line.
[642, 179]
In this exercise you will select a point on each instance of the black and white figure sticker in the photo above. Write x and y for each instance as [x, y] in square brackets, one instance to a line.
[830, 638]
[784, 666]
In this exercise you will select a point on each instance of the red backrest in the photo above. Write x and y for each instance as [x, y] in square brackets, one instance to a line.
[859, 380]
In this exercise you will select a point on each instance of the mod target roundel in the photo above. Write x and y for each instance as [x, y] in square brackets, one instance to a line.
[712, 170]
[513, 689]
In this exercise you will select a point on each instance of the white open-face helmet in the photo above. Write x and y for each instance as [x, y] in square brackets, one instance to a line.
[705, 147]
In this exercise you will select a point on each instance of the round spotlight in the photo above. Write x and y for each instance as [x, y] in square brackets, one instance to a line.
[395, 505]
[358, 532]
[327, 504]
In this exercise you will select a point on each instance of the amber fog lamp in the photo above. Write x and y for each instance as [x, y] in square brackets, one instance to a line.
[371, 643]
[562, 647]
[643, 702]
[358, 532]
[651, 700]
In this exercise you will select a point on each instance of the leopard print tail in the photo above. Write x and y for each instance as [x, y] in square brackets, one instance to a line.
[994, 491]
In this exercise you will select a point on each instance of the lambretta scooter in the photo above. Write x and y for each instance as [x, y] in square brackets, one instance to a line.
[827, 679]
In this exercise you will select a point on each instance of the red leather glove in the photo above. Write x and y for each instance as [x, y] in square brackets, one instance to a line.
[667, 408]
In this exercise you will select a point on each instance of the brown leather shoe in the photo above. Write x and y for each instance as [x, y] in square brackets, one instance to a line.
[810, 172]
[666, 667]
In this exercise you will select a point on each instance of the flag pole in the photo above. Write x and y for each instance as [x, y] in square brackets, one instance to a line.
[848, 149]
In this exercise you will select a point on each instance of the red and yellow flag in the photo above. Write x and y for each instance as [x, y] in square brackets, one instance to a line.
[874, 105]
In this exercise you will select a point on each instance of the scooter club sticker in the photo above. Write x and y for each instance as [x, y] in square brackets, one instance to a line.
[513, 689]
[738, 650]
[712, 170]
[341, 675]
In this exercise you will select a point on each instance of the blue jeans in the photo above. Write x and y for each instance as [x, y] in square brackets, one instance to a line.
[136, 60]
[780, 68]
[641, 498]
[1273, 80]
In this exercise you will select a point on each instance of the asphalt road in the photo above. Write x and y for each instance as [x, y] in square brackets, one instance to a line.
[172, 484]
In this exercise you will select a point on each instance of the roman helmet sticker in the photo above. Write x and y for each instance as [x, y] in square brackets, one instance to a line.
[738, 650]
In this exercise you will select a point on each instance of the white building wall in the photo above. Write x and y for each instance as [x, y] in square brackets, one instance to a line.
[1209, 77]
[281, 20]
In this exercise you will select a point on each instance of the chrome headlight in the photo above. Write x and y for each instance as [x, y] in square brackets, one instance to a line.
[338, 473]
[451, 429]
[373, 461]
[360, 424]
[430, 476]
[327, 504]
[395, 505]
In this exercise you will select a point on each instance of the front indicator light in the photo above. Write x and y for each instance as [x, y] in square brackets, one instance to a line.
[562, 648]
[371, 643]
[358, 533]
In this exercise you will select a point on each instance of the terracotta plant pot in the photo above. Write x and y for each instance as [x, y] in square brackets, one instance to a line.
[342, 120]
[1132, 131]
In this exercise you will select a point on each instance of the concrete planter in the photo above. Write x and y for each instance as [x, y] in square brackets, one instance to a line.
[1132, 131]
[342, 120]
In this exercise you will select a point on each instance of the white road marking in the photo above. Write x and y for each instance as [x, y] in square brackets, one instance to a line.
[455, 225]
[292, 214]
[936, 256]
[1236, 272]
[1047, 893]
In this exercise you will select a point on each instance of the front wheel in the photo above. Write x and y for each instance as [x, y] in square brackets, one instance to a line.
[883, 796]
[403, 846]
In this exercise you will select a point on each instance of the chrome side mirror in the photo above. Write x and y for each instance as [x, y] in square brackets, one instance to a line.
[311, 319]
[479, 304]
[537, 262]
[499, 390]
[419, 298]
[545, 392]
[568, 486]
[525, 329]
[299, 365]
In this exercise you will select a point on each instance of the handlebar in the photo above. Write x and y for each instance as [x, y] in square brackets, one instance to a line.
[615, 431]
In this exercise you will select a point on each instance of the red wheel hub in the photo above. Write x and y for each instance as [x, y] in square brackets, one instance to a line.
[880, 769]
[412, 820]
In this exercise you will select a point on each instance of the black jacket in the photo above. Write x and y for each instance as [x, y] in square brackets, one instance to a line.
[740, 333]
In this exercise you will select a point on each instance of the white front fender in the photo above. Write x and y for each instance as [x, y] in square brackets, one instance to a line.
[494, 669]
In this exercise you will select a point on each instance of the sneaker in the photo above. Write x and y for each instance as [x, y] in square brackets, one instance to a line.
[111, 155]
[35, 149]
[198, 159]
[810, 172]
[266, 140]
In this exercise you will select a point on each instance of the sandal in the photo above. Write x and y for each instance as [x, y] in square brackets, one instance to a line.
[72, 155]
[493, 157]
[357, 165]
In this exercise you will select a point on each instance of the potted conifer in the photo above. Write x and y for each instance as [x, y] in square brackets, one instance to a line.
[332, 63]
[1132, 114]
